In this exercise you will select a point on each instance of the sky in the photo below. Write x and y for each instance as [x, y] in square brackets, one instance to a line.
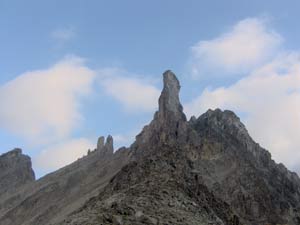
[71, 71]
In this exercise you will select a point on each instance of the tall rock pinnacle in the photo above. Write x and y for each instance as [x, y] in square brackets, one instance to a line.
[100, 143]
[109, 145]
[169, 124]
[169, 104]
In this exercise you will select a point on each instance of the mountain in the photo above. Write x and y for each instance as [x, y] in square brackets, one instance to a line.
[207, 170]
[15, 171]
[51, 198]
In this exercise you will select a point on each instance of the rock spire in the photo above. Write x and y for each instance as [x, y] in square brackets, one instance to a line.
[109, 145]
[100, 143]
[105, 148]
[169, 103]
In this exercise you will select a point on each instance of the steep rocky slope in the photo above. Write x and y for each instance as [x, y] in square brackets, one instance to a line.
[207, 170]
[54, 196]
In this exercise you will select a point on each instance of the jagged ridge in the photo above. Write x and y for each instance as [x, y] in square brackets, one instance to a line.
[204, 171]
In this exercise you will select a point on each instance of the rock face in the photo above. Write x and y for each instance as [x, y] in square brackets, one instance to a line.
[169, 104]
[15, 171]
[100, 143]
[239, 171]
[105, 149]
[207, 170]
[169, 124]
[109, 146]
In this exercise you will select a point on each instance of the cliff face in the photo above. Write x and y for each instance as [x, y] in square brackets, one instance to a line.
[15, 171]
[204, 171]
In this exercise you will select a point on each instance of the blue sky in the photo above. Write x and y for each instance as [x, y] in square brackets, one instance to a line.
[74, 70]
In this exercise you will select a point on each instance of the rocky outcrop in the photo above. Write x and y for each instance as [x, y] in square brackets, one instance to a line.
[169, 103]
[100, 143]
[109, 146]
[169, 124]
[105, 150]
[15, 171]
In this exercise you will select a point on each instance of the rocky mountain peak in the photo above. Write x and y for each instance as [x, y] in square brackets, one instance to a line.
[15, 170]
[13, 153]
[169, 103]
[224, 121]
[169, 124]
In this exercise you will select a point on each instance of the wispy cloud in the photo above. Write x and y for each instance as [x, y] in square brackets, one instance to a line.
[63, 34]
[44, 105]
[61, 154]
[136, 94]
[246, 45]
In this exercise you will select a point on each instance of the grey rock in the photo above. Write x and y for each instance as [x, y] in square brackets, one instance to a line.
[109, 145]
[15, 171]
[193, 120]
[105, 148]
[108, 149]
[169, 123]
[169, 99]
[240, 172]
[100, 143]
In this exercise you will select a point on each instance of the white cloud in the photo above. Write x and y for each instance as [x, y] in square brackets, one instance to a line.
[269, 99]
[135, 94]
[246, 45]
[126, 139]
[63, 34]
[123, 140]
[44, 105]
[59, 155]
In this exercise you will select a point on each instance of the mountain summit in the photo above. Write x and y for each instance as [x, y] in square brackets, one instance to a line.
[169, 104]
[15, 171]
[204, 171]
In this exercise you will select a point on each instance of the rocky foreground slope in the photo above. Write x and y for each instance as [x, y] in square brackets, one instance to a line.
[203, 171]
